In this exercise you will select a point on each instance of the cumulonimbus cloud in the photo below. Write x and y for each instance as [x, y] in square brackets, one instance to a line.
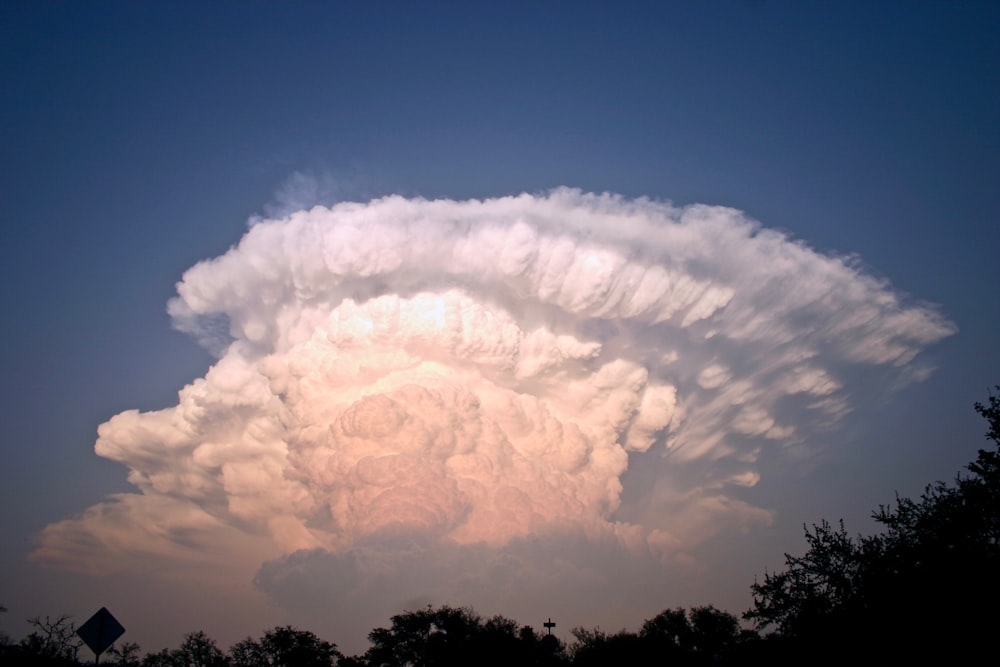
[480, 373]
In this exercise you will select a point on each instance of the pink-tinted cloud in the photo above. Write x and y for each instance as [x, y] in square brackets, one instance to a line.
[477, 375]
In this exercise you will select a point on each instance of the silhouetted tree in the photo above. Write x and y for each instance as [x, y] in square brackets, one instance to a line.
[455, 636]
[199, 650]
[817, 592]
[427, 637]
[670, 629]
[713, 633]
[125, 655]
[702, 635]
[923, 589]
[162, 658]
[52, 642]
[532, 649]
[284, 647]
[594, 648]
[4, 639]
[196, 650]
[7, 649]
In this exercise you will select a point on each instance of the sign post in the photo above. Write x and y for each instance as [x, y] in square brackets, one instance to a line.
[550, 642]
[100, 631]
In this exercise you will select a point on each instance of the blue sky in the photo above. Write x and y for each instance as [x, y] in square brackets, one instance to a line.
[138, 139]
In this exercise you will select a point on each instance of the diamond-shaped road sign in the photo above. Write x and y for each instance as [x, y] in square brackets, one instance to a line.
[100, 631]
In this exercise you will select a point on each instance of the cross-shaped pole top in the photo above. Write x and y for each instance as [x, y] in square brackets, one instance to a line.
[549, 625]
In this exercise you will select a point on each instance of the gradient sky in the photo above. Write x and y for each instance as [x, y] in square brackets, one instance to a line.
[140, 138]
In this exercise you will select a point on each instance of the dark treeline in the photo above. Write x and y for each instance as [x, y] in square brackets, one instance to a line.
[926, 589]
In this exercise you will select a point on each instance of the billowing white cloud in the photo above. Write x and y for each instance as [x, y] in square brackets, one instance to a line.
[477, 375]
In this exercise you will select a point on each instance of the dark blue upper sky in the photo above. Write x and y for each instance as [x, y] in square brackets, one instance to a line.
[137, 138]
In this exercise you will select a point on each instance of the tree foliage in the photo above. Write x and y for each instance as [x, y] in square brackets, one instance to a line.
[199, 650]
[699, 636]
[924, 587]
[284, 647]
[53, 641]
[124, 655]
[457, 636]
